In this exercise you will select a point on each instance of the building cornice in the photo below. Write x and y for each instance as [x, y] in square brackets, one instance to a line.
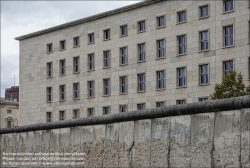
[90, 18]
[9, 103]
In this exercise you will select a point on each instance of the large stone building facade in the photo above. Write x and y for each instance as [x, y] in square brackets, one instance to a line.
[150, 54]
[9, 113]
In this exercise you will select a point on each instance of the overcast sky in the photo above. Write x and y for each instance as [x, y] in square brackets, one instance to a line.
[23, 17]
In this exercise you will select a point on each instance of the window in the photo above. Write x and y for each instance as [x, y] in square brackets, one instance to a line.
[106, 110]
[160, 104]
[9, 111]
[49, 94]
[76, 113]
[141, 52]
[204, 40]
[62, 92]
[106, 34]
[62, 115]
[181, 102]
[90, 112]
[48, 117]
[181, 44]
[228, 36]
[91, 38]
[76, 41]
[49, 48]
[228, 5]
[181, 16]
[123, 30]
[62, 45]
[106, 87]
[141, 106]
[204, 11]
[123, 85]
[249, 68]
[228, 66]
[141, 26]
[49, 69]
[91, 89]
[8, 124]
[76, 90]
[91, 61]
[62, 67]
[160, 77]
[123, 108]
[181, 77]
[76, 64]
[203, 99]
[141, 82]
[106, 59]
[160, 48]
[160, 21]
[204, 74]
[123, 56]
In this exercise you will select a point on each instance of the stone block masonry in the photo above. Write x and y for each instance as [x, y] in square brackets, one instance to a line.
[206, 134]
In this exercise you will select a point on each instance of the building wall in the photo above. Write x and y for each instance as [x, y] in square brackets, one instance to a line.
[33, 59]
[9, 111]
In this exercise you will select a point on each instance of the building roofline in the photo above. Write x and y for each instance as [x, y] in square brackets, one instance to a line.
[90, 18]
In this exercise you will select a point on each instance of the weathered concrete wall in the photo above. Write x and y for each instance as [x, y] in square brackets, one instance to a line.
[215, 139]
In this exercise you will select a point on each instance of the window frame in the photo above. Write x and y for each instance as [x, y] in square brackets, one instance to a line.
[106, 87]
[157, 80]
[109, 59]
[89, 38]
[76, 91]
[248, 68]
[60, 45]
[200, 98]
[158, 48]
[208, 41]
[177, 18]
[92, 109]
[224, 36]
[228, 11]
[200, 7]
[224, 61]
[91, 62]
[141, 104]
[48, 47]
[139, 52]
[121, 27]
[178, 100]
[90, 89]
[77, 112]
[104, 34]
[143, 83]
[76, 65]
[177, 77]
[138, 26]
[185, 44]
[49, 95]
[62, 117]
[104, 110]
[62, 93]
[208, 74]
[157, 21]
[74, 44]
[47, 116]
[49, 71]
[123, 56]
[158, 102]
[62, 68]
[125, 85]
[125, 106]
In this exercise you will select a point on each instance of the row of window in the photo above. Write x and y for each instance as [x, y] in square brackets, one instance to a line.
[181, 81]
[107, 109]
[141, 25]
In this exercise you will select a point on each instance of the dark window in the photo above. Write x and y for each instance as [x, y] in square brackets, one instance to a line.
[181, 44]
[203, 99]
[141, 106]
[106, 87]
[62, 67]
[49, 69]
[8, 124]
[124, 30]
[49, 48]
[181, 16]
[228, 36]
[76, 41]
[49, 94]
[76, 113]
[228, 5]
[62, 115]
[141, 26]
[106, 34]
[204, 74]
[90, 112]
[141, 78]
[76, 90]
[91, 89]
[48, 117]
[123, 56]
[91, 38]
[76, 64]
[91, 61]
[228, 66]
[62, 45]
[141, 52]
[106, 110]
[62, 92]
[160, 104]
[181, 102]
[106, 59]
[160, 21]
[181, 77]
[123, 108]
[160, 79]
[160, 48]
[204, 11]
[123, 84]
[204, 40]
